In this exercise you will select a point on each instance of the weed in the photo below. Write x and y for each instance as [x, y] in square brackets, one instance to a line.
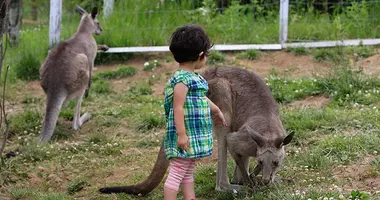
[151, 121]
[19, 193]
[250, 54]
[314, 160]
[141, 89]
[98, 138]
[147, 143]
[333, 54]
[28, 67]
[344, 149]
[30, 100]
[26, 123]
[101, 87]
[109, 58]
[356, 194]
[62, 132]
[298, 51]
[76, 186]
[121, 72]
[362, 52]
[215, 57]
[53, 196]
[33, 152]
[150, 66]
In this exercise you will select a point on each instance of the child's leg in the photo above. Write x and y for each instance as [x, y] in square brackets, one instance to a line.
[177, 170]
[187, 184]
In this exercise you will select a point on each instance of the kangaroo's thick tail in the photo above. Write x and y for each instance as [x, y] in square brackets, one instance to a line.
[148, 184]
[54, 104]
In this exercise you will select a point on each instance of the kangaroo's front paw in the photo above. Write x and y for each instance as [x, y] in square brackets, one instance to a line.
[103, 47]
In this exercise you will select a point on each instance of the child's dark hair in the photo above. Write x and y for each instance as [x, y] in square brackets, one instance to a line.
[187, 42]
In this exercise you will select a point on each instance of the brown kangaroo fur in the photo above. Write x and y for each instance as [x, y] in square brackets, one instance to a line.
[254, 130]
[66, 73]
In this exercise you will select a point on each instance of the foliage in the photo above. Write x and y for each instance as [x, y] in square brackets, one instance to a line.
[298, 51]
[28, 67]
[76, 186]
[215, 57]
[141, 89]
[150, 66]
[119, 73]
[250, 54]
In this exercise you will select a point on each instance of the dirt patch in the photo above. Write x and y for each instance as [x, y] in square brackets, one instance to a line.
[284, 63]
[118, 174]
[315, 102]
[357, 176]
[370, 65]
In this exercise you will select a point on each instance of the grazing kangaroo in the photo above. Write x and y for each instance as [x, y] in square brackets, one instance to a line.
[254, 130]
[66, 72]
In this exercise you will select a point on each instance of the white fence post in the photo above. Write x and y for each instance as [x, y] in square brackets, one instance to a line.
[55, 22]
[108, 7]
[284, 15]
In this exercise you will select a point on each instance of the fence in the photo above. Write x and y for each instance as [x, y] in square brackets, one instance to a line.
[232, 25]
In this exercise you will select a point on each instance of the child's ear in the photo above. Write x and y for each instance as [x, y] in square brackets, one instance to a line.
[201, 55]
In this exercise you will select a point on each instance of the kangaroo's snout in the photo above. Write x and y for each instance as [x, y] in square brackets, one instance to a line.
[266, 181]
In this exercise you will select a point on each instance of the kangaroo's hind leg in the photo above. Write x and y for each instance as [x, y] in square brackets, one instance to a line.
[79, 120]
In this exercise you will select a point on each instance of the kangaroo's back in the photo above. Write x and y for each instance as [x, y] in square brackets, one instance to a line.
[250, 97]
[67, 67]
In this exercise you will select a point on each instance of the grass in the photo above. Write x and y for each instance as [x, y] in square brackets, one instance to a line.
[151, 24]
[119, 145]
[250, 54]
[215, 57]
[121, 72]
[298, 51]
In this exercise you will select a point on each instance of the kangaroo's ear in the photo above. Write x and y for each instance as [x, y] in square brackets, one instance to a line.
[288, 138]
[80, 10]
[94, 12]
[279, 142]
[259, 139]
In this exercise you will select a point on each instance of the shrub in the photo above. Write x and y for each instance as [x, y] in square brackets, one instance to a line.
[250, 54]
[28, 67]
[215, 57]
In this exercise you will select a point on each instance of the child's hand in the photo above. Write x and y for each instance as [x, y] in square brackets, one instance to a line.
[183, 142]
[220, 118]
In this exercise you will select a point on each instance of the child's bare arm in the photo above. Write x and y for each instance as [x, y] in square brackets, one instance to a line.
[180, 91]
[214, 108]
[217, 112]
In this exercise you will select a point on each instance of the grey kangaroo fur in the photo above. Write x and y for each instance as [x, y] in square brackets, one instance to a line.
[254, 130]
[66, 72]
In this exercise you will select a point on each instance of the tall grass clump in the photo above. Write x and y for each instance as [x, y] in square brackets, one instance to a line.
[346, 84]
[298, 51]
[215, 57]
[251, 54]
[26, 123]
[121, 72]
[28, 67]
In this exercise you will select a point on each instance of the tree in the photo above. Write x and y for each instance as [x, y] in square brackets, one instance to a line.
[4, 4]
[14, 20]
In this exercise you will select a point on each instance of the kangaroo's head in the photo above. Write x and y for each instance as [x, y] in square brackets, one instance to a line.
[269, 154]
[89, 23]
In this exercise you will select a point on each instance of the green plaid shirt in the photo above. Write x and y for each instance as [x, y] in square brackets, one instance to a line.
[197, 115]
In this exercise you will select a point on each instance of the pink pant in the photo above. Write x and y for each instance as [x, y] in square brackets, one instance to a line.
[181, 171]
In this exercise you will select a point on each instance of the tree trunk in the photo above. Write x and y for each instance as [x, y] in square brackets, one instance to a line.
[14, 21]
[108, 7]
[3, 27]
[34, 10]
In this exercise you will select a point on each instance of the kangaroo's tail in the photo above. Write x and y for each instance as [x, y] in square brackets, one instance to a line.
[54, 104]
[148, 184]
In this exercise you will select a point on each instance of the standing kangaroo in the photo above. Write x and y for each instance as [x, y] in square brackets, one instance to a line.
[66, 73]
[254, 130]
